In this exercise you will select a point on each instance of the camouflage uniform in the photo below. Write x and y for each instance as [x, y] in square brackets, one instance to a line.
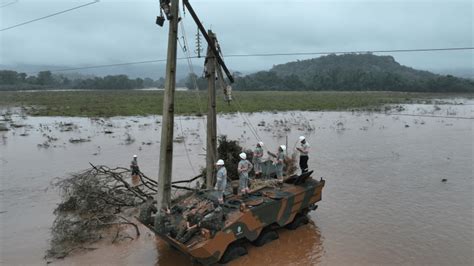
[134, 167]
[221, 182]
[214, 220]
[146, 212]
[185, 234]
[280, 164]
[257, 159]
[244, 168]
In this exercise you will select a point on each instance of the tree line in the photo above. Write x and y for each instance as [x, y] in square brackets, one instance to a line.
[45, 80]
[351, 72]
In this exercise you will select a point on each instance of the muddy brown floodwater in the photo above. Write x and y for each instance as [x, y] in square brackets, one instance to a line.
[384, 201]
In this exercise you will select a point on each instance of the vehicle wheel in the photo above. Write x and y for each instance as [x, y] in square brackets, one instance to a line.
[233, 251]
[298, 221]
[267, 235]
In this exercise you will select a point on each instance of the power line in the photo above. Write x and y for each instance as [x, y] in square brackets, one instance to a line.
[270, 54]
[107, 65]
[355, 52]
[9, 4]
[48, 16]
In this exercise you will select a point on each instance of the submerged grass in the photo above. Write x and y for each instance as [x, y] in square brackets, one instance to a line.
[123, 103]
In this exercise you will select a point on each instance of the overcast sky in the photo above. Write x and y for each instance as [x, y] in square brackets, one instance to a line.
[121, 31]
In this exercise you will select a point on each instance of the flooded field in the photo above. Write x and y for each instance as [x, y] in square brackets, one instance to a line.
[384, 200]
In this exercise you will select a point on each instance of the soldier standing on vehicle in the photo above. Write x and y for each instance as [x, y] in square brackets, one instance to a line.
[221, 181]
[243, 169]
[135, 170]
[304, 151]
[279, 161]
[257, 159]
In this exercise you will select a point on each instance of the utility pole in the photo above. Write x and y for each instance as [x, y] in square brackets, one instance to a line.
[211, 150]
[163, 195]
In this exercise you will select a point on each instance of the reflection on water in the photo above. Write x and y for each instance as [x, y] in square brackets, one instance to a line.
[384, 202]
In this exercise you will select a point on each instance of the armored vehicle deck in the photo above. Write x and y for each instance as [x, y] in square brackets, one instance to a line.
[211, 233]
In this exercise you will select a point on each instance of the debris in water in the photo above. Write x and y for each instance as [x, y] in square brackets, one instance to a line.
[129, 139]
[17, 125]
[78, 140]
[179, 139]
[3, 127]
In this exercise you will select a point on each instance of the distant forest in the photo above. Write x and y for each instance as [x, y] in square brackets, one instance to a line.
[349, 72]
[45, 80]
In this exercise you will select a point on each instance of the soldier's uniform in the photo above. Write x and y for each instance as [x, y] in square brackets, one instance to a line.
[221, 182]
[257, 160]
[280, 164]
[134, 167]
[146, 212]
[213, 221]
[244, 168]
[186, 233]
[304, 157]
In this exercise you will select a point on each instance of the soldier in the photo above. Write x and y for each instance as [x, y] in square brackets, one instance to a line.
[191, 228]
[279, 161]
[135, 170]
[257, 159]
[213, 221]
[147, 210]
[243, 169]
[162, 220]
[304, 150]
[221, 181]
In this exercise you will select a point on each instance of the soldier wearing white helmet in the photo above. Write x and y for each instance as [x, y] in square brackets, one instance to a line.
[304, 151]
[257, 159]
[135, 170]
[243, 168]
[221, 180]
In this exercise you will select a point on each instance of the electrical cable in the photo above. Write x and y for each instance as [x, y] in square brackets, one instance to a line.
[9, 4]
[48, 16]
[354, 52]
[264, 55]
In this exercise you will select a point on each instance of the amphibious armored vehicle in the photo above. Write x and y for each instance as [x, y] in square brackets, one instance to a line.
[211, 232]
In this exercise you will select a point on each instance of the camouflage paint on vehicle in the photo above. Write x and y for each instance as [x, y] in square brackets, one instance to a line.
[278, 207]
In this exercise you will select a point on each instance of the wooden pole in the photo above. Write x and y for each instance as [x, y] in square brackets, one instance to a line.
[211, 150]
[163, 196]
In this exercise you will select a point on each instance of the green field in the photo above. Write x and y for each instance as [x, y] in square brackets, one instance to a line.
[123, 103]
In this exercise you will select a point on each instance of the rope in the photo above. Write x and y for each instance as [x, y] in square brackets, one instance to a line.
[190, 64]
[253, 130]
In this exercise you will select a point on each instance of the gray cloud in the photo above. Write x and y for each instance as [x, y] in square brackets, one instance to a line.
[121, 31]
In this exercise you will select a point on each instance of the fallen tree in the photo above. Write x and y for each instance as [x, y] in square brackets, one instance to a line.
[95, 202]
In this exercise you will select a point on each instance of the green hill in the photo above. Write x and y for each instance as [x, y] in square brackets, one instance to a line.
[351, 72]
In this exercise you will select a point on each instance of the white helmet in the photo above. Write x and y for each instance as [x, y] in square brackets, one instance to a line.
[135, 156]
[243, 156]
[302, 138]
[220, 162]
[260, 143]
[283, 147]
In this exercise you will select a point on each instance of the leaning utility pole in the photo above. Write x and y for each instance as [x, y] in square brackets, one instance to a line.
[163, 195]
[211, 150]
